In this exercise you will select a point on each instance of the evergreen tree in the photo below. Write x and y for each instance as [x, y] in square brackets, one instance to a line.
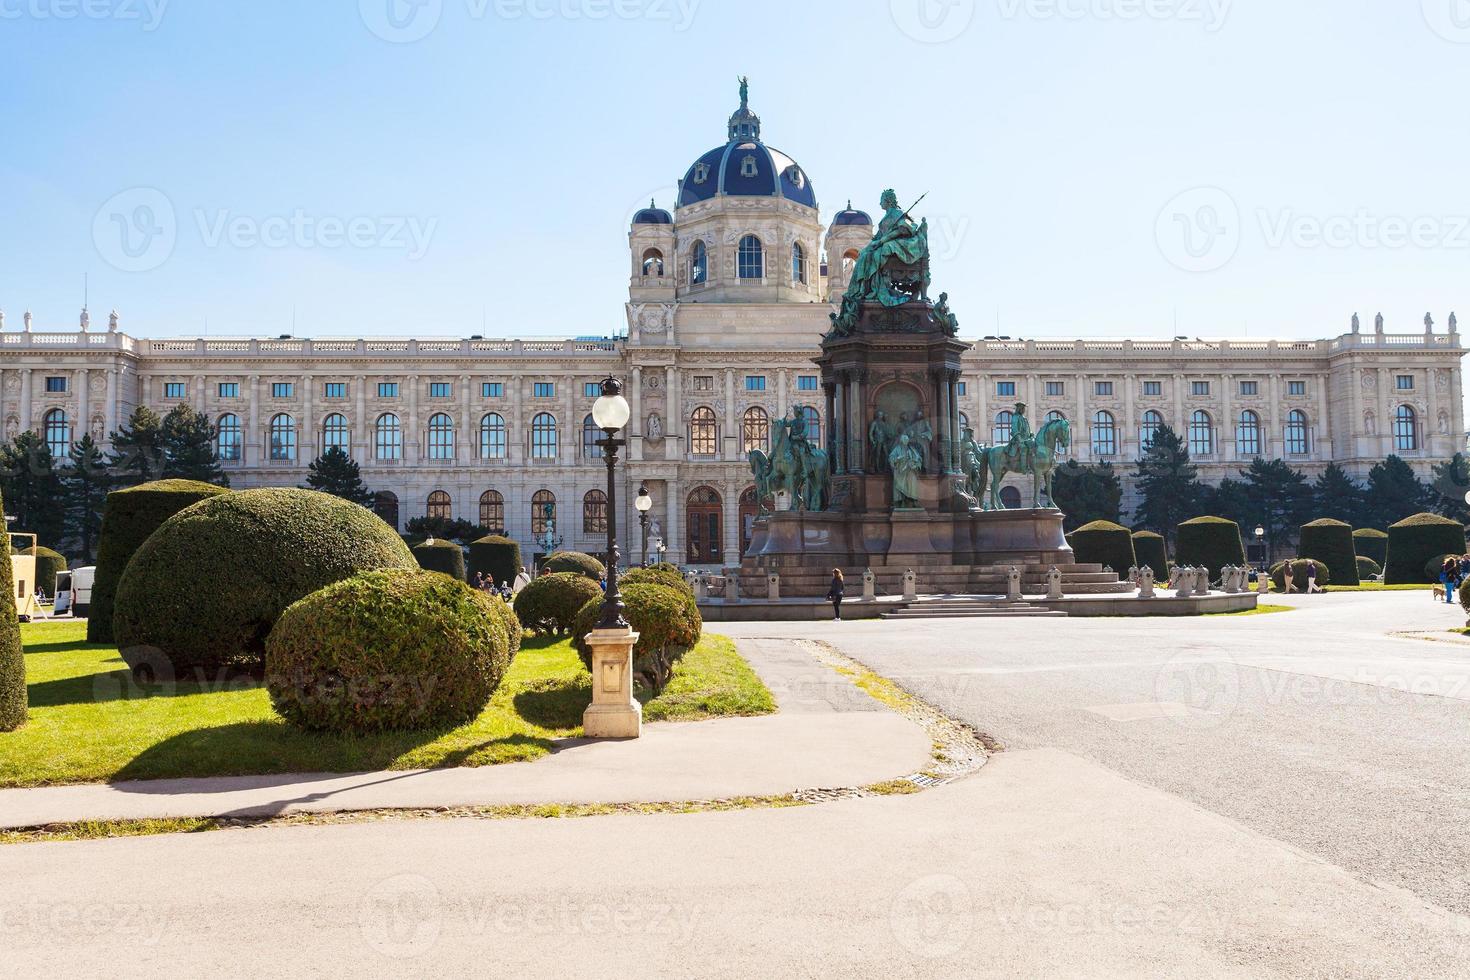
[1169, 484]
[84, 488]
[1279, 500]
[1338, 496]
[137, 448]
[32, 488]
[188, 447]
[337, 473]
[1231, 499]
[1449, 481]
[1087, 493]
[1394, 492]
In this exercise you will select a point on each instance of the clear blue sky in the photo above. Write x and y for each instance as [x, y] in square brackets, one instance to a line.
[519, 135]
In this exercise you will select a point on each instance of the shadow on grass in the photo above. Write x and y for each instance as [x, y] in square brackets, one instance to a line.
[120, 685]
[554, 702]
[68, 646]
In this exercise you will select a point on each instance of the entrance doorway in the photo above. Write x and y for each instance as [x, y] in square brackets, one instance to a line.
[706, 526]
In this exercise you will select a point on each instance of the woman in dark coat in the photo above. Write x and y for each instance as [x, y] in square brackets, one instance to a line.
[834, 594]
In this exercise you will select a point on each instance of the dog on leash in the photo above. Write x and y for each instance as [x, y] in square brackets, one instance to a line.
[1439, 592]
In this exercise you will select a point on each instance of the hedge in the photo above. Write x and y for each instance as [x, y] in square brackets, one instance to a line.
[1464, 595]
[666, 620]
[1104, 543]
[128, 517]
[496, 557]
[1149, 549]
[1368, 569]
[386, 651]
[1415, 540]
[1371, 543]
[510, 621]
[437, 555]
[14, 698]
[575, 561]
[206, 588]
[1299, 568]
[48, 563]
[1331, 543]
[550, 603]
[665, 575]
[1211, 542]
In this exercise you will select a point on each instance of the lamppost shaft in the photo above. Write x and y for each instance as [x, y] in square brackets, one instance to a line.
[612, 603]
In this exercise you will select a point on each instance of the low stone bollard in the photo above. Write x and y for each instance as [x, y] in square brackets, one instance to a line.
[1201, 581]
[1146, 583]
[910, 585]
[1133, 576]
[870, 586]
[1184, 584]
[1054, 583]
[701, 587]
[1013, 584]
[732, 586]
[1263, 583]
[773, 586]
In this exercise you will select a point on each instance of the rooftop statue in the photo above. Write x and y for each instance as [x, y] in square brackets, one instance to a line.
[899, 241]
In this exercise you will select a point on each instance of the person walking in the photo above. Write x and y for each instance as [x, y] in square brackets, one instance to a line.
[522, 580]
[1449, 574]
[834, 594]
[1312, 578]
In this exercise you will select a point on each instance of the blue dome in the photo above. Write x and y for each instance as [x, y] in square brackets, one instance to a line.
[653, 216]
[851, 216]
[745, 167]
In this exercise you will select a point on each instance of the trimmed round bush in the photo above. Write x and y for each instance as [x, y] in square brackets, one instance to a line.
[1299, 568]
[1463, 594]
[14, 698]
[1368, 569]
[508, 620]
[1149, 549]
[386, 651]
[206, 588]
[128, 517]
[666, 620]
[1413, 541]
[1371, 543]
[1104, 543]
[577, 562]
[550, 603]
[1331, 543]
[48, 563]
[1211, 542]
[665, 575]
[496, 557]
[438, 555]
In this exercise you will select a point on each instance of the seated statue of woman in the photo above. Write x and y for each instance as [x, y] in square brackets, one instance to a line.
[897, 237]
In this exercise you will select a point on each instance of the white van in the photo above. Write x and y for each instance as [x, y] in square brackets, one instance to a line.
[74, 591]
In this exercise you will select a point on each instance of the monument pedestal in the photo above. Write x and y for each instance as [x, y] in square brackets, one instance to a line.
[614, 712]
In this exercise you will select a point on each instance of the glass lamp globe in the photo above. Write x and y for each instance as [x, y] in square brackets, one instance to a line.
[610, 412]
[1260, 532]
[643, 502]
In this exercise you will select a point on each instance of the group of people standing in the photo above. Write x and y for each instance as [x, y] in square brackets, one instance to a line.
[505, 590]
[1452, 573]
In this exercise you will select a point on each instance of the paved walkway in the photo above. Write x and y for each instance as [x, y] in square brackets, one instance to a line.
[827, 734]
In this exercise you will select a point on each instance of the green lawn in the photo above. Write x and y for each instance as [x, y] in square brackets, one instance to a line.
[89, 721]
[1260, 610]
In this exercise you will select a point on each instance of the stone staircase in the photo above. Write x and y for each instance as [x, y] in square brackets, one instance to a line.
[970, 607]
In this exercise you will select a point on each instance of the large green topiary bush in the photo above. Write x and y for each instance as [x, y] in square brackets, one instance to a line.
[386, 651]
[1149, 549]
[496, 557]
[438, 555]
[14, 699]
[550, 603]
[1415, 540]
[1104, 543]
[665, 575]
[1371, 543]
[207, 586]
[575, 561]
[1211, 542]
[510, 621]
[1331, 543]
[666, 620]
[1368, 569]
[48, 563]
[128, 517]
[1299, 568]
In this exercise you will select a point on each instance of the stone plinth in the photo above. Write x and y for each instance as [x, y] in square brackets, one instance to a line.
[614, 712]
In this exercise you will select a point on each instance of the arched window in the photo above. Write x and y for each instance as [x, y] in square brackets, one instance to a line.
[813, 420]
[492, 511]
[1298, 442]
[698, 265]
[751, 258]
[543, 511]
[653, 262]
[543, 436]
[441, 436]
[703, 432]
[283, 439]
[1405, 429]
[756, 430]
[1004, 423]
[227, 440]
[1201, 434]
[798, 264]
[1152, 423]
[492, 437]
[590, 436]
[58, 433]
[1104, 434]
[849, 260]
[385, 505]
[594, 512]
[334, 433]
[440, 506]
[388, 437]
[1248, 434]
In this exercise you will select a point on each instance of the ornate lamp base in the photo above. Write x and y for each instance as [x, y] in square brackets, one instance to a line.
[614, 712]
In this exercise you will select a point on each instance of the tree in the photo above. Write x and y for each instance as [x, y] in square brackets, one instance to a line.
[1231, 500]
[137, 448]
[1278, 500]
[84, 489]
[1169, 484]
[32, 488]
[1338, 496]
[338, 474]
[1087, 493]
[1394, 492]
[1449, 481]
[443, 528]
[188, 447]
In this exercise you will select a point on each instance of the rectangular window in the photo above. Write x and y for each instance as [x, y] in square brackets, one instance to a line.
[1056, 389]
[1406, 382]
[1104, 388]
[544, 389]
[961, 388]
[282, 389]
[755, 382]
[492, 389]
[1153, 387]
[1199, 387]
[229, 389]
[387, 389]
[1005, 389]
[1296, 387]
[1249, 387]
[334, 389]
[56, 386]
[171, 389]
[704, 382]
[592, 389]
[808, 382]
[439, 389]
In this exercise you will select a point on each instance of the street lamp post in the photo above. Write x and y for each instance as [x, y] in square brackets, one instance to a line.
[1261, 544]
[644, 503]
